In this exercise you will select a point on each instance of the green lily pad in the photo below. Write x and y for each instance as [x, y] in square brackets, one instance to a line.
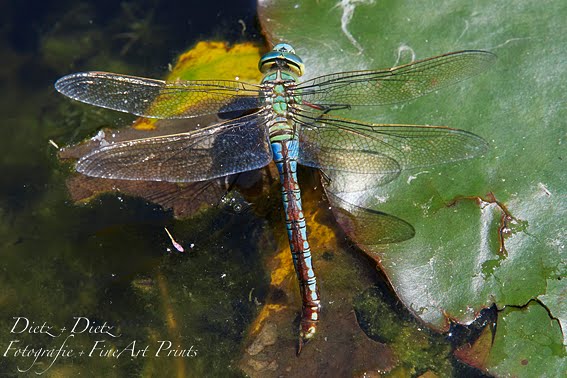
[541, 351]
[488, 230]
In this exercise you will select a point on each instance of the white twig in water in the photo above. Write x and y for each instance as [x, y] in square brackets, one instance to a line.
[175, 244]
[241, 22]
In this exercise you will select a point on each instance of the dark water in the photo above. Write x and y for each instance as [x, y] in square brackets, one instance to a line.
[109, 261]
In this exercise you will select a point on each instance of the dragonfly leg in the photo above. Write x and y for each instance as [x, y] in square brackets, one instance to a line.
[326, 108]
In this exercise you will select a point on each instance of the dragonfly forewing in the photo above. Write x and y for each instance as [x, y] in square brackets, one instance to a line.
[152, 98]
[394, 85]
[219, 150]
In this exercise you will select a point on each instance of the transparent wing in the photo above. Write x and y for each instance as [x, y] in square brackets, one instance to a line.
[332, 143]
[159, 99]
[397, 84]
[218, 150]
[356, 158]
[368, 227]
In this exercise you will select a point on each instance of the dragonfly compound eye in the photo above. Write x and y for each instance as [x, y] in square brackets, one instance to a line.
[282, 56]
[284, 48]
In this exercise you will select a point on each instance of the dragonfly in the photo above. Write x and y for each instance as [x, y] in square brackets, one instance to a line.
[290, 122]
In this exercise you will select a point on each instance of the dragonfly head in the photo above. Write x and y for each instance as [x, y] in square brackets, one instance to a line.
[282, 56]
